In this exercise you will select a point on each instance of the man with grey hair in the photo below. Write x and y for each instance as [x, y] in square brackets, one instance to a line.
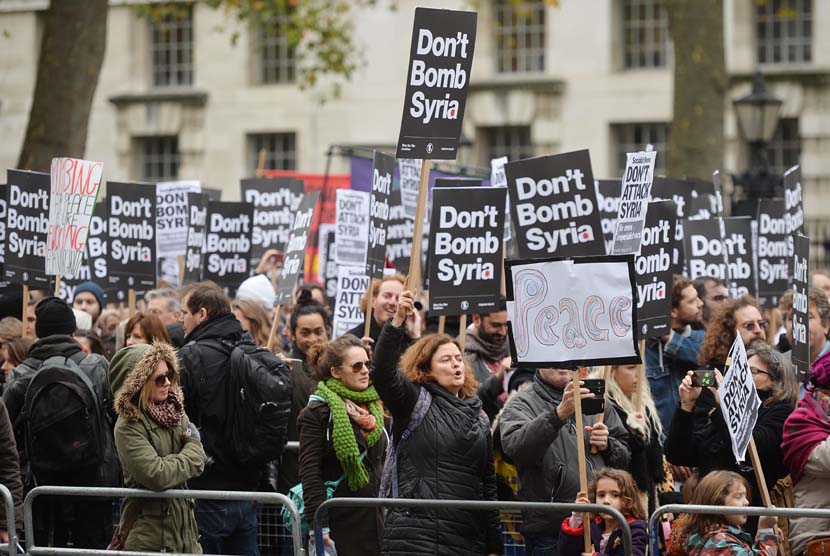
[164, 303]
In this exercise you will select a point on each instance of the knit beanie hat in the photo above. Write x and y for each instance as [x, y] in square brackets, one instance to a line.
[92, 288]
[257, 288]
[54, 316]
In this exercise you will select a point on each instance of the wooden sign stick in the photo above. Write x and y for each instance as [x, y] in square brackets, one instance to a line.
[442, 323]
[260, 165]
[580, 451]
[503, 286]
[638, 395]
[181, 269]
[57, 285]
[131, 301]
[272, 335]
[367, 328]
[25, 307]
[462, 331]
[417, 235]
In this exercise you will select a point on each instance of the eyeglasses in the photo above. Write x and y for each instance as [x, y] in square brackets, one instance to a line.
[757, 371]
[357, 366]
[750, 326]
[162, 380]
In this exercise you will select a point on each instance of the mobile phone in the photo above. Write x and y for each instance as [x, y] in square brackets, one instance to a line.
[595, 405]
[703, 378]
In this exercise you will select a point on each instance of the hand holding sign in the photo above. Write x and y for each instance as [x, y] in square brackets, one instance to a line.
[406, 306]
[598, 436]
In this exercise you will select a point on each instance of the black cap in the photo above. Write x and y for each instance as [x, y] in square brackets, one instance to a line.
[54, 316]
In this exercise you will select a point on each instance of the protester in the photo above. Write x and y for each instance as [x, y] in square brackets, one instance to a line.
[89, 297]
[90, 342]
[82, 320]
[31, 320]
[384, 303]
[254, 320]
[669, 357]
[17, 350]
[163, 303]
[144, 328]
[159, 449]
[10, 328]
[721, 535]
[442, 444]
[88, 522]
[106, 325]
[806, 448]
[487, 352]
[342, 441]
[9, 474]
[257, 289]
[609, 487]
[631, 397]
[538, 433]
[785, 335]
[317, 293]
[225, 527]
[741, 314]
[713, 293]
[699, 437]
[820, 279]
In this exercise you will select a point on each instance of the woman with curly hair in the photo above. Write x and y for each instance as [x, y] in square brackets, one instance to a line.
[442, 447]
[741, 314]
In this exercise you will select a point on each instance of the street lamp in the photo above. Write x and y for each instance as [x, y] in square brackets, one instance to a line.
[758, 114]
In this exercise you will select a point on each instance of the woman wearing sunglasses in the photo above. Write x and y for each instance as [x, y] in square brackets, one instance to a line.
[158, 448]
[701, 439]
[342, 442]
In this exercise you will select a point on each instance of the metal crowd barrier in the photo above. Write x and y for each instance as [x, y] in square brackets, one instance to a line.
[8, 503]
[28, 521]
[321, 514]
[729, 510]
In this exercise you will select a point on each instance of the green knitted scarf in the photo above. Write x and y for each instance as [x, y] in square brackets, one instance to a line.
[345, 443]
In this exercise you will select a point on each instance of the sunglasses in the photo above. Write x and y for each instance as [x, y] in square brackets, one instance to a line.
[357, 366]
[757, 371]
[750, 326]
[162, 380]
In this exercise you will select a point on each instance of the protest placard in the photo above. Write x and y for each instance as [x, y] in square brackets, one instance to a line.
[465, 249]
[737, 238]
[74, 191]
[399, 234]
[499, 179]
[739, 401]
[292, 265]
[654, 270]
[3, 216]
[197, 207]
[352, 283]
[227, 251]
[801, 306]
[383, 168]
[94, 265]
[553, 206]
[131, 219]
[793, 201]
[636, 192]
[774, 252]
[352, 233]
[572, 312]
[27, 226]
[171, 216]
[274, 200]
[608, 204]
[440, 61]
[705, 250]
[327, 269]
[409, 170]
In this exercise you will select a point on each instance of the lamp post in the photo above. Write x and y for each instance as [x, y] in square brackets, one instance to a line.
[758, 114]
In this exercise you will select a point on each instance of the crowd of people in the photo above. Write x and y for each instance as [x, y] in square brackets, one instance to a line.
[96, 397]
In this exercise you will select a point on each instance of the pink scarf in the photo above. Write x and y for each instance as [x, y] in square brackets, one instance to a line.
[805, 428]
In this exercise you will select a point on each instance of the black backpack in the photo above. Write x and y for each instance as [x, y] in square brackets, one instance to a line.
[65, 427]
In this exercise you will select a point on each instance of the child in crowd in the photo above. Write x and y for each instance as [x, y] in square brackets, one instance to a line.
[721, 535]
[615, 488]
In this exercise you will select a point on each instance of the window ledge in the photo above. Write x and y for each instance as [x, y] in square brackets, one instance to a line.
[183, 96]
[783, 71]
[532, 81]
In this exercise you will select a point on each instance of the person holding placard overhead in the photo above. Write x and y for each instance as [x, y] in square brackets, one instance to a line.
[383, 304]
[442, 447]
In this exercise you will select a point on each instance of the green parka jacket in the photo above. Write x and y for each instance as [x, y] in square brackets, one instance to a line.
[153, 457]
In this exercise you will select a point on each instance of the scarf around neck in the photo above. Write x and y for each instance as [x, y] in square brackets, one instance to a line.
[343, 438]
[474, 343]
[805, 428]
[167, 413]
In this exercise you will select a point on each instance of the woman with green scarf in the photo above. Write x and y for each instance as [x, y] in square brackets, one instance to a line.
[342, 438]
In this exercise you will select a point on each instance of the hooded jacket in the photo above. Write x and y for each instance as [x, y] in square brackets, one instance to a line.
[153, 457]
[544, 451]
[728, 540]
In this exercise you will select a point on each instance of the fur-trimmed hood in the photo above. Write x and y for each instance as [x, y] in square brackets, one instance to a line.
[129, 370]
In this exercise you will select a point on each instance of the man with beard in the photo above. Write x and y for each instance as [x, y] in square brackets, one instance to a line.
[712, 291]
[668, 358]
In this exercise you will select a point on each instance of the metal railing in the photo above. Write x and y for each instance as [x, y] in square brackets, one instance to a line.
[262, 497]
[8, 503]
[321, 515]
[728, 510]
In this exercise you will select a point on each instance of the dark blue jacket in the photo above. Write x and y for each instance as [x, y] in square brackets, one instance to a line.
[571, 543]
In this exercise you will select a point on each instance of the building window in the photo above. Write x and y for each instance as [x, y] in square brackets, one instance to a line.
[645, 31]
[634, 137]
[171, 50]
[510, 141]
[520, 36]
[784, 30]
[280, 150]
[158, 158]
[276, 60]
[784, 150]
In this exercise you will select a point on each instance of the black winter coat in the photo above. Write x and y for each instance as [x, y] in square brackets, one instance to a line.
[448, 456]
[302, 386]
[646, 458]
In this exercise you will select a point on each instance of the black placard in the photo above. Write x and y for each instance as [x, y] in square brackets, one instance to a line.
[608, 203]
[801, 306]
[3, 216]
[737, 238]
[27, 226]
[212, 194]
[399, 234]
[274, 200]
[774, 252]
[553, 206]
[465, 249]
[383, 168]
[197, 215]
[705, 250]
[94, 264]
[793, 201]
[227, 258]
[292, 265]
[654, 270]
[131, 228]
[440, 63]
